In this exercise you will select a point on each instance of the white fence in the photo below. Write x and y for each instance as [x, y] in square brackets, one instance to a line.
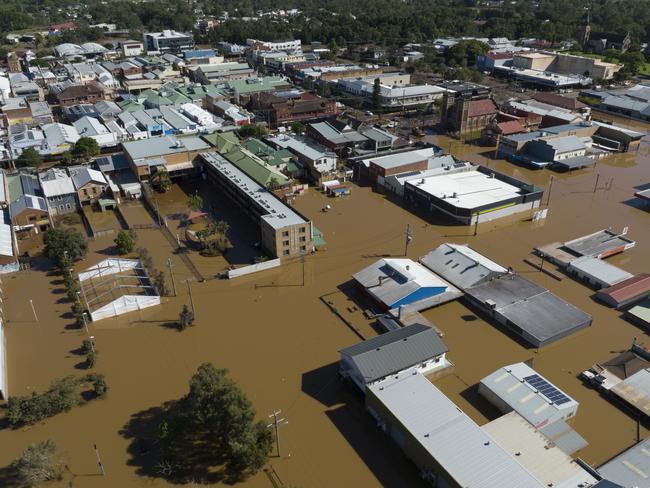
[254, 268]
[125, 304]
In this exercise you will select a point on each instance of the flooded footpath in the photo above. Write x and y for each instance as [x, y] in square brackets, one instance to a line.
[280, 341]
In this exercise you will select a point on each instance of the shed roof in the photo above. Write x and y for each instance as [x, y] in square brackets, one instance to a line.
[461, 265]
[630, 468]
[530, 308]
[512, 384]
[634, 288]
[395, 351]
[599, 270]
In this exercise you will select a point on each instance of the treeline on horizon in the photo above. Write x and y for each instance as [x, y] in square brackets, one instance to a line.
[380, 21]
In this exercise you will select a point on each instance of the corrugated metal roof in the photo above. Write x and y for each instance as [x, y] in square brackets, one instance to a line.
[641, 311]
[391, 281]
[470, 456]
[6, 244]
[461, 265]
[509, 385]
[395, 351]
[599, 270]
[630, 468]
[636, 391]
[637, 287]
[547, 462]
[564, 437]
[531, 308]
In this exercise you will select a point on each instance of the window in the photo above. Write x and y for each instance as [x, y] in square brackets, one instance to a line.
[302, 230]
[32, 218]
[285, 252]
[61, 207]
[68, 206]
[285, 243]
[285, 233]
[303, 248]
[303, 239]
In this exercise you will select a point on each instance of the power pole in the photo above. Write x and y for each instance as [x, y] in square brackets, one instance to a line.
[189, 290]
[476, 224]
[99, 460]
[171, 273]
[550, 187]
[596, 184]
[302, 260]
[31, 302]
[409, 238]
[277, 422]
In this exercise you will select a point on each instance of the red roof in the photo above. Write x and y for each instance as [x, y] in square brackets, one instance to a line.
[510, 127]
[482, 107]
[499, 55]
[63, 26]
[628, 290]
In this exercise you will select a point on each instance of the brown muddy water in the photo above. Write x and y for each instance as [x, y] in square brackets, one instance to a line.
[280, 341]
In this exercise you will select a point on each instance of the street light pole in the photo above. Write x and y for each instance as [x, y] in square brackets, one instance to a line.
[409, 238]
[33, 310]
[99, 460]
[171, 273]
[189, 290]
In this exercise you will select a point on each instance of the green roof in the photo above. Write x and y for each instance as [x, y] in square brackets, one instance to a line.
[223, 141]
[319, 242]
[155, 99]
[274, 157]
[253, 166]
[256, 85]
[15, 187]
[130, 106]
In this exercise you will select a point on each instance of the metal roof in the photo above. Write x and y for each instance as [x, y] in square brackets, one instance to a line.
[641, 312]
[278, 216]
[599, 244]
[530, 308]
[396, 282]
[635, 390]
[630, 468]
[575, 162]
[395, 351]
[469, 455]
[82, 175]
[56, 182]
[27, 202]
[511, 386]
[6, 244]
[403, 158]
[564, 437]
[546, 461]
[599, 270]
[461, 265]
[162, 146]
[635, 288]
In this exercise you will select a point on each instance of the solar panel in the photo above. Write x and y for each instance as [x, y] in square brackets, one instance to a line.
[546, 389]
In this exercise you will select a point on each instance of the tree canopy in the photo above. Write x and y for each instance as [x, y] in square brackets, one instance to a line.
[86, 148]
[64, 245]
[216, 417]
[29, 158]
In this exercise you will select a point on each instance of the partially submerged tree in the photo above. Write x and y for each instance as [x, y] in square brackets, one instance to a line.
[161, 181]
[159, 283]
[195, 201]
[185, 318]
[215, 417]
[64, 245]
[125, 241]
[38, 464]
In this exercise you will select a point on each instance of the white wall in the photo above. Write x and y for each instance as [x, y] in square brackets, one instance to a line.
[254, 268]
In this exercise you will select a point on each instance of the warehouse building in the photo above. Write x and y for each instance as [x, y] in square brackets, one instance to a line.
[631, 468]
[461, 265]
[395, 283]
[284, 232]
[539, 455]
[626, 292]
[529, 311]
[414, 348]
[520, 388]
[596, 272]
[474, 196]
[640, 313]
[448, 447]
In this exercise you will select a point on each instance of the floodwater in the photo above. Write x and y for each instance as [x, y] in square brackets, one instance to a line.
[279, 340]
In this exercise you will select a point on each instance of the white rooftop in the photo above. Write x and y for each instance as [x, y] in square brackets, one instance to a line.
[469, 189]
[466, 452]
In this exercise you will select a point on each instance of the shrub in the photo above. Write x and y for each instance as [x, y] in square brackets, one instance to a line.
[125, 241]
[37, 464]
